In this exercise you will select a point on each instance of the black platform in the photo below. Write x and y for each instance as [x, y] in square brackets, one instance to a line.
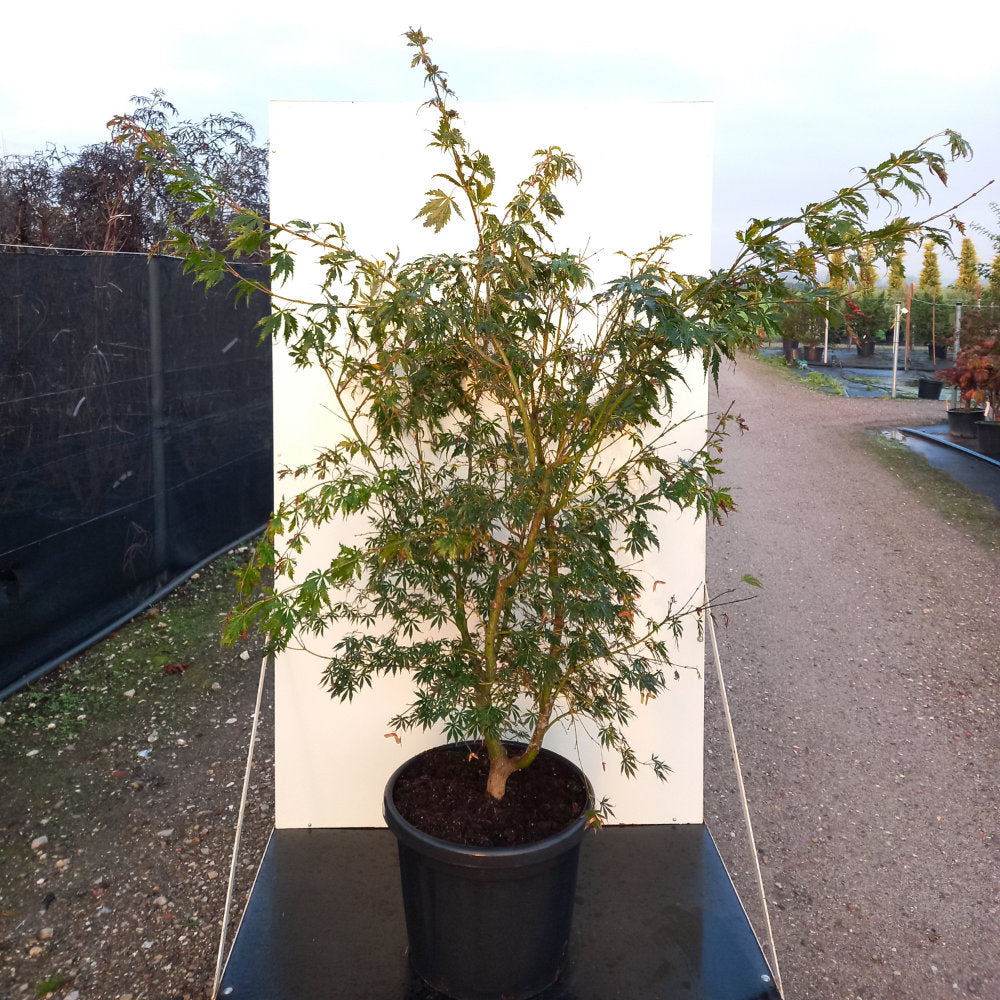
[656, 918]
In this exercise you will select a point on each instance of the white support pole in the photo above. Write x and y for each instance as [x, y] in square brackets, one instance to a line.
[826, 333]
[895, 348]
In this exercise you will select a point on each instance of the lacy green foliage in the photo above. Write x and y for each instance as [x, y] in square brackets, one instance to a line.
[507, 433]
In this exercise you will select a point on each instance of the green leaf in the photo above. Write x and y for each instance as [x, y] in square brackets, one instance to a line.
[437, 211]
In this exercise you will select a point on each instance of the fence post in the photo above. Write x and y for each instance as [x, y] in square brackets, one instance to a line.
[158, 422]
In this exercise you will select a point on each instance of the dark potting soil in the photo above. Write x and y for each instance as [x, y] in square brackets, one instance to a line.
[443, 792]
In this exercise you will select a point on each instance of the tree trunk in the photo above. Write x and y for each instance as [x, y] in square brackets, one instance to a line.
[501, 768]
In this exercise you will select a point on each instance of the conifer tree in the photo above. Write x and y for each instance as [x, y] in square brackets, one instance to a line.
[968, 271]
[866, 271]
[838, 273]
[930, 273]
[993, 288]
[897, 276]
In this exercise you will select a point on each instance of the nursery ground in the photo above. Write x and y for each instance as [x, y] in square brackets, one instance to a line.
[865, 685]
[120, 776]
[846, 373]
[864, 681]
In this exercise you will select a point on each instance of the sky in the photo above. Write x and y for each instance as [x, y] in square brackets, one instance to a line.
[803, 93]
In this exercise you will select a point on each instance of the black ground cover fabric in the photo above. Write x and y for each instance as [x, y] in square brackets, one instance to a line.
[135, 442]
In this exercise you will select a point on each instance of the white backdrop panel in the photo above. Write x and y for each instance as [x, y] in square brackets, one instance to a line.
[647, 171]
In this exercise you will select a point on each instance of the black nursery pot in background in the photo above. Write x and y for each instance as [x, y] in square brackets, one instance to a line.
[928, 388]
[487, 922]
[988, 437]
[962, 423]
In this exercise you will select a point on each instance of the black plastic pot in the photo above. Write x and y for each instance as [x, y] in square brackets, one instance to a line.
[962, 423]
[988, 437]
[929, 388]
[487, 923]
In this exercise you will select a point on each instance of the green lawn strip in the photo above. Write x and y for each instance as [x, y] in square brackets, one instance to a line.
[183, 628]
[953, 501]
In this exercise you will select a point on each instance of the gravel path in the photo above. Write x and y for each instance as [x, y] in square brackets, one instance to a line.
[864, 684]
[117, 824]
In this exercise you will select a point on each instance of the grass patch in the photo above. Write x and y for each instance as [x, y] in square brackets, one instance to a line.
[868, 382]
[823, 383]
[50, 985]
[106, 681]
[814, 380]
[905, 389]
[953, 501]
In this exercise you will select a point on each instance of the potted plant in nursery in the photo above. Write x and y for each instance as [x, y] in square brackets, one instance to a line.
[976, 375]
[866, 318]
[802, 325]
[974, 378]
[506, 444]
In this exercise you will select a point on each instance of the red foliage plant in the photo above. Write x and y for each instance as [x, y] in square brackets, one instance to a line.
[979, 325]
[977, 374]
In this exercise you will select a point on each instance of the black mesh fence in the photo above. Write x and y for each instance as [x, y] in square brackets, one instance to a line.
[135, 442]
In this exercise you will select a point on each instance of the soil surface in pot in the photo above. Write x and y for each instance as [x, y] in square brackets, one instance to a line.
[443, 793]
